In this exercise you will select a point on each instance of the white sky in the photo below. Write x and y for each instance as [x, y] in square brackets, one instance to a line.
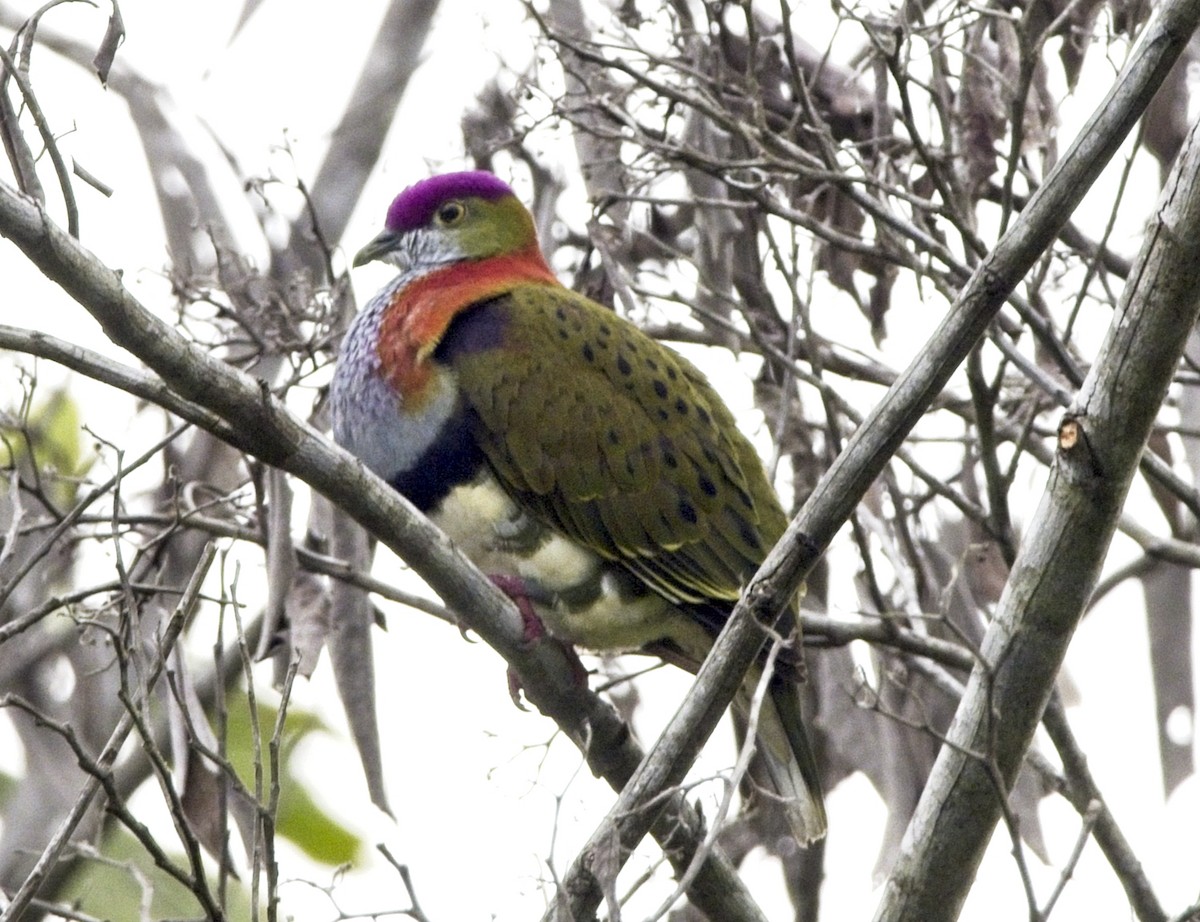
[474, 790]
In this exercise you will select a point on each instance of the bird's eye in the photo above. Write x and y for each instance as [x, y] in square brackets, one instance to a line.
[451, 213]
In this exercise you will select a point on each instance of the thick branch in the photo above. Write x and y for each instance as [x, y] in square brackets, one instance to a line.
[283, 440]
[1099, 448]
[865, 455]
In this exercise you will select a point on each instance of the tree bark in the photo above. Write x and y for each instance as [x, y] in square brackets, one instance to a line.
[855, 469]
[1100, 443]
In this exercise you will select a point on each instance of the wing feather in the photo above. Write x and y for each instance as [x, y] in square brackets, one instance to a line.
[619, 443]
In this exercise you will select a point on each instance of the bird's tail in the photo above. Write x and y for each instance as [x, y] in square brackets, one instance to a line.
[787, 756]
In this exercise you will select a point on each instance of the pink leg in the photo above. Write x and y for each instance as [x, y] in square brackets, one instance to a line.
[516, 589]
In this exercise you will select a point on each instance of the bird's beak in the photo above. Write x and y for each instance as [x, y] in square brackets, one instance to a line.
[377, 248]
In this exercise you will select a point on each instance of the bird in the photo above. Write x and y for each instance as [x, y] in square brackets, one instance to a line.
[588, 468]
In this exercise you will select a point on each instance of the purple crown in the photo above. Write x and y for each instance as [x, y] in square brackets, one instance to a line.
[414, 206]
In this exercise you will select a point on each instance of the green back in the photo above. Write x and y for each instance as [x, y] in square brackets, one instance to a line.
[621, 444]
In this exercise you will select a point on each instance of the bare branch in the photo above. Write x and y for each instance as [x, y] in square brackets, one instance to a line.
[831, 502]
[1099, 446]
[104, 763]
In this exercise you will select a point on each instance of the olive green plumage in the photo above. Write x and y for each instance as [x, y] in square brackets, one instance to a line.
[619, 443]
[622, 445]
[591, 467]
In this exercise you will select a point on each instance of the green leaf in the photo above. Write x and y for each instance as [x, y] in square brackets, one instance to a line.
[54, 441]
[321, 837]
[301, 819]
[112, 888]
[8, 785]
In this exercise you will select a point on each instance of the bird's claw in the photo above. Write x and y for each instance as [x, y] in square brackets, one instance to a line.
[516, 589]
[533, 631]
[515, 688]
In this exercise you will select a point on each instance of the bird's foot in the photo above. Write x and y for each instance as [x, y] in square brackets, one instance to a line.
[518, 590]
[533, 631]
[579, 673]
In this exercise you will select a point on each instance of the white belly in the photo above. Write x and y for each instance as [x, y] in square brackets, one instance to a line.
[579, 597]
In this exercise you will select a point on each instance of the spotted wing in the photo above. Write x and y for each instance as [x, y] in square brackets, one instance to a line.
[616, 441]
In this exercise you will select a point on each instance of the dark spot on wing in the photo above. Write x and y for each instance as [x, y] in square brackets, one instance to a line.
[746, 531]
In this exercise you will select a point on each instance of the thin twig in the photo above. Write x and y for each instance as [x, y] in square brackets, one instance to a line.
[108, 755]
[414, 910]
